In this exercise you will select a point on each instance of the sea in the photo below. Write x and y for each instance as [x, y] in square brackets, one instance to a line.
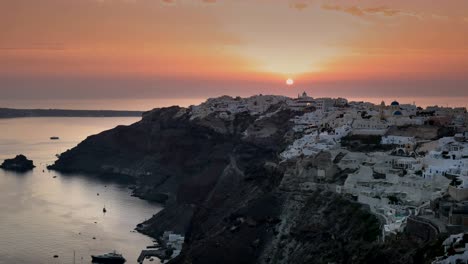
[44, 213]
[150, 103]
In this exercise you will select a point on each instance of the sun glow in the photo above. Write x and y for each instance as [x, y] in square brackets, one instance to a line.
[289, 81]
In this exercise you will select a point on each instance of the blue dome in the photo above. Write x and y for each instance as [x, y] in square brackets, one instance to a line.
[395, 103]
[397, 113]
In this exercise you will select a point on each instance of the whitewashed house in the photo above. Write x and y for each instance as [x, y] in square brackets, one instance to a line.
[397, 140]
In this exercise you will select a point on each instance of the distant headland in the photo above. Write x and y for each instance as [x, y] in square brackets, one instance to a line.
[15, 113]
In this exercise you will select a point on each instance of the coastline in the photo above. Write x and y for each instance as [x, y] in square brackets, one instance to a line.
[127, 181]
[6, 113]
[248, 171]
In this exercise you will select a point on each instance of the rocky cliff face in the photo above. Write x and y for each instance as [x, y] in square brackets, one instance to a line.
[226, 189]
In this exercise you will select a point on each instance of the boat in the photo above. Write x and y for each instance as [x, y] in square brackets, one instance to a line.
[54, 138]
[109, 258]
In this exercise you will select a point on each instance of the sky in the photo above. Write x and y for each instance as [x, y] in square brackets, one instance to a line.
[177, 51]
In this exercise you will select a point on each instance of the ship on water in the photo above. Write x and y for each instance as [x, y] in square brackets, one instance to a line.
[109, 258]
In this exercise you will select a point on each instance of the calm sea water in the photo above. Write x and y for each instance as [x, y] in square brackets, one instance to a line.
[42, 216]
[150, 103]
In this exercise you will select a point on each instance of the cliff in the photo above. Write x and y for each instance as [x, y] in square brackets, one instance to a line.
[227, 190]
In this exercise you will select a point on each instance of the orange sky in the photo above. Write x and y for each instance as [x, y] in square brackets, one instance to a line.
[202, 48]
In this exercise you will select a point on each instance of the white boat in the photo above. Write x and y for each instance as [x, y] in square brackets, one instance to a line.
[111, 258]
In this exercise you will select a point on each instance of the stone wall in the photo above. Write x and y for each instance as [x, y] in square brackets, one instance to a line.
[458, 194]
[421, 228]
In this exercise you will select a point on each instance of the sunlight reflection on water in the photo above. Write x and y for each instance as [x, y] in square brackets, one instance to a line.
[42, 216]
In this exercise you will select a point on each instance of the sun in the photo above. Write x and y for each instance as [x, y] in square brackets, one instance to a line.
[289, 81]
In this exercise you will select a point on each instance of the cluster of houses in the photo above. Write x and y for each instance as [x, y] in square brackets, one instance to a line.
[455, 250]
[226, 107]
[400, 177]
[407, 171]
[174, 242]
[304, 101]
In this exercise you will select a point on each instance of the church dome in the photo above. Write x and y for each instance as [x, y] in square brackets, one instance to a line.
[397, 113]
[395, 103]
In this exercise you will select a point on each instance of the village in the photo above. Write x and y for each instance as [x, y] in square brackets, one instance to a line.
[405, 160]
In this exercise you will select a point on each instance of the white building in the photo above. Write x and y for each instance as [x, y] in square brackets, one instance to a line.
[226, 107]
[341, 102]
[323, 104]
[397, 140]
[411, 164]
[301, 102]
[370, 124]
[456, 250]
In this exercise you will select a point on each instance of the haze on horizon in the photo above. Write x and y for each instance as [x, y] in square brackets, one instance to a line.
[189, 49]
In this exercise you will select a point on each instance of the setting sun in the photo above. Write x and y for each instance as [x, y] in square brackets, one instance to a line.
[289, 81]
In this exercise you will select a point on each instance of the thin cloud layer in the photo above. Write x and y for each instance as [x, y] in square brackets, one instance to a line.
[362, 11]
[187, 46]
[171, 2]
[299, 5]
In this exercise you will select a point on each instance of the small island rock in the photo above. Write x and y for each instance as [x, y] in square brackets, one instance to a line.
[19, 163]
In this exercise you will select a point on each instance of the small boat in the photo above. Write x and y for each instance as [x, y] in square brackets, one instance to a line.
[54, 138]
[104, 210]
[111, 258]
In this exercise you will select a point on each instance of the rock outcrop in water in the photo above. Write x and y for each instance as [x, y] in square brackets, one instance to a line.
[226, 188]
[20, 163]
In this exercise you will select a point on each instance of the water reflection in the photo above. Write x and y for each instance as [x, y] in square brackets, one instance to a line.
[43, 215]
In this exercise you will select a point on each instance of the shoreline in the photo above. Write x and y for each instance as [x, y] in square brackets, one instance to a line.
[8, 113]
[125, 180]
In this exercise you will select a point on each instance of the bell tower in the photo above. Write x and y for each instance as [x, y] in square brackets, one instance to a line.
[382, 110]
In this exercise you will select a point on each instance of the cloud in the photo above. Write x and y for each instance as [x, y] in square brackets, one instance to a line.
[439, 17]
[110, 1]
[299, 5]
[36, 46]
[171, 2]
[363, 11]
[382, 10]
[354, 10]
